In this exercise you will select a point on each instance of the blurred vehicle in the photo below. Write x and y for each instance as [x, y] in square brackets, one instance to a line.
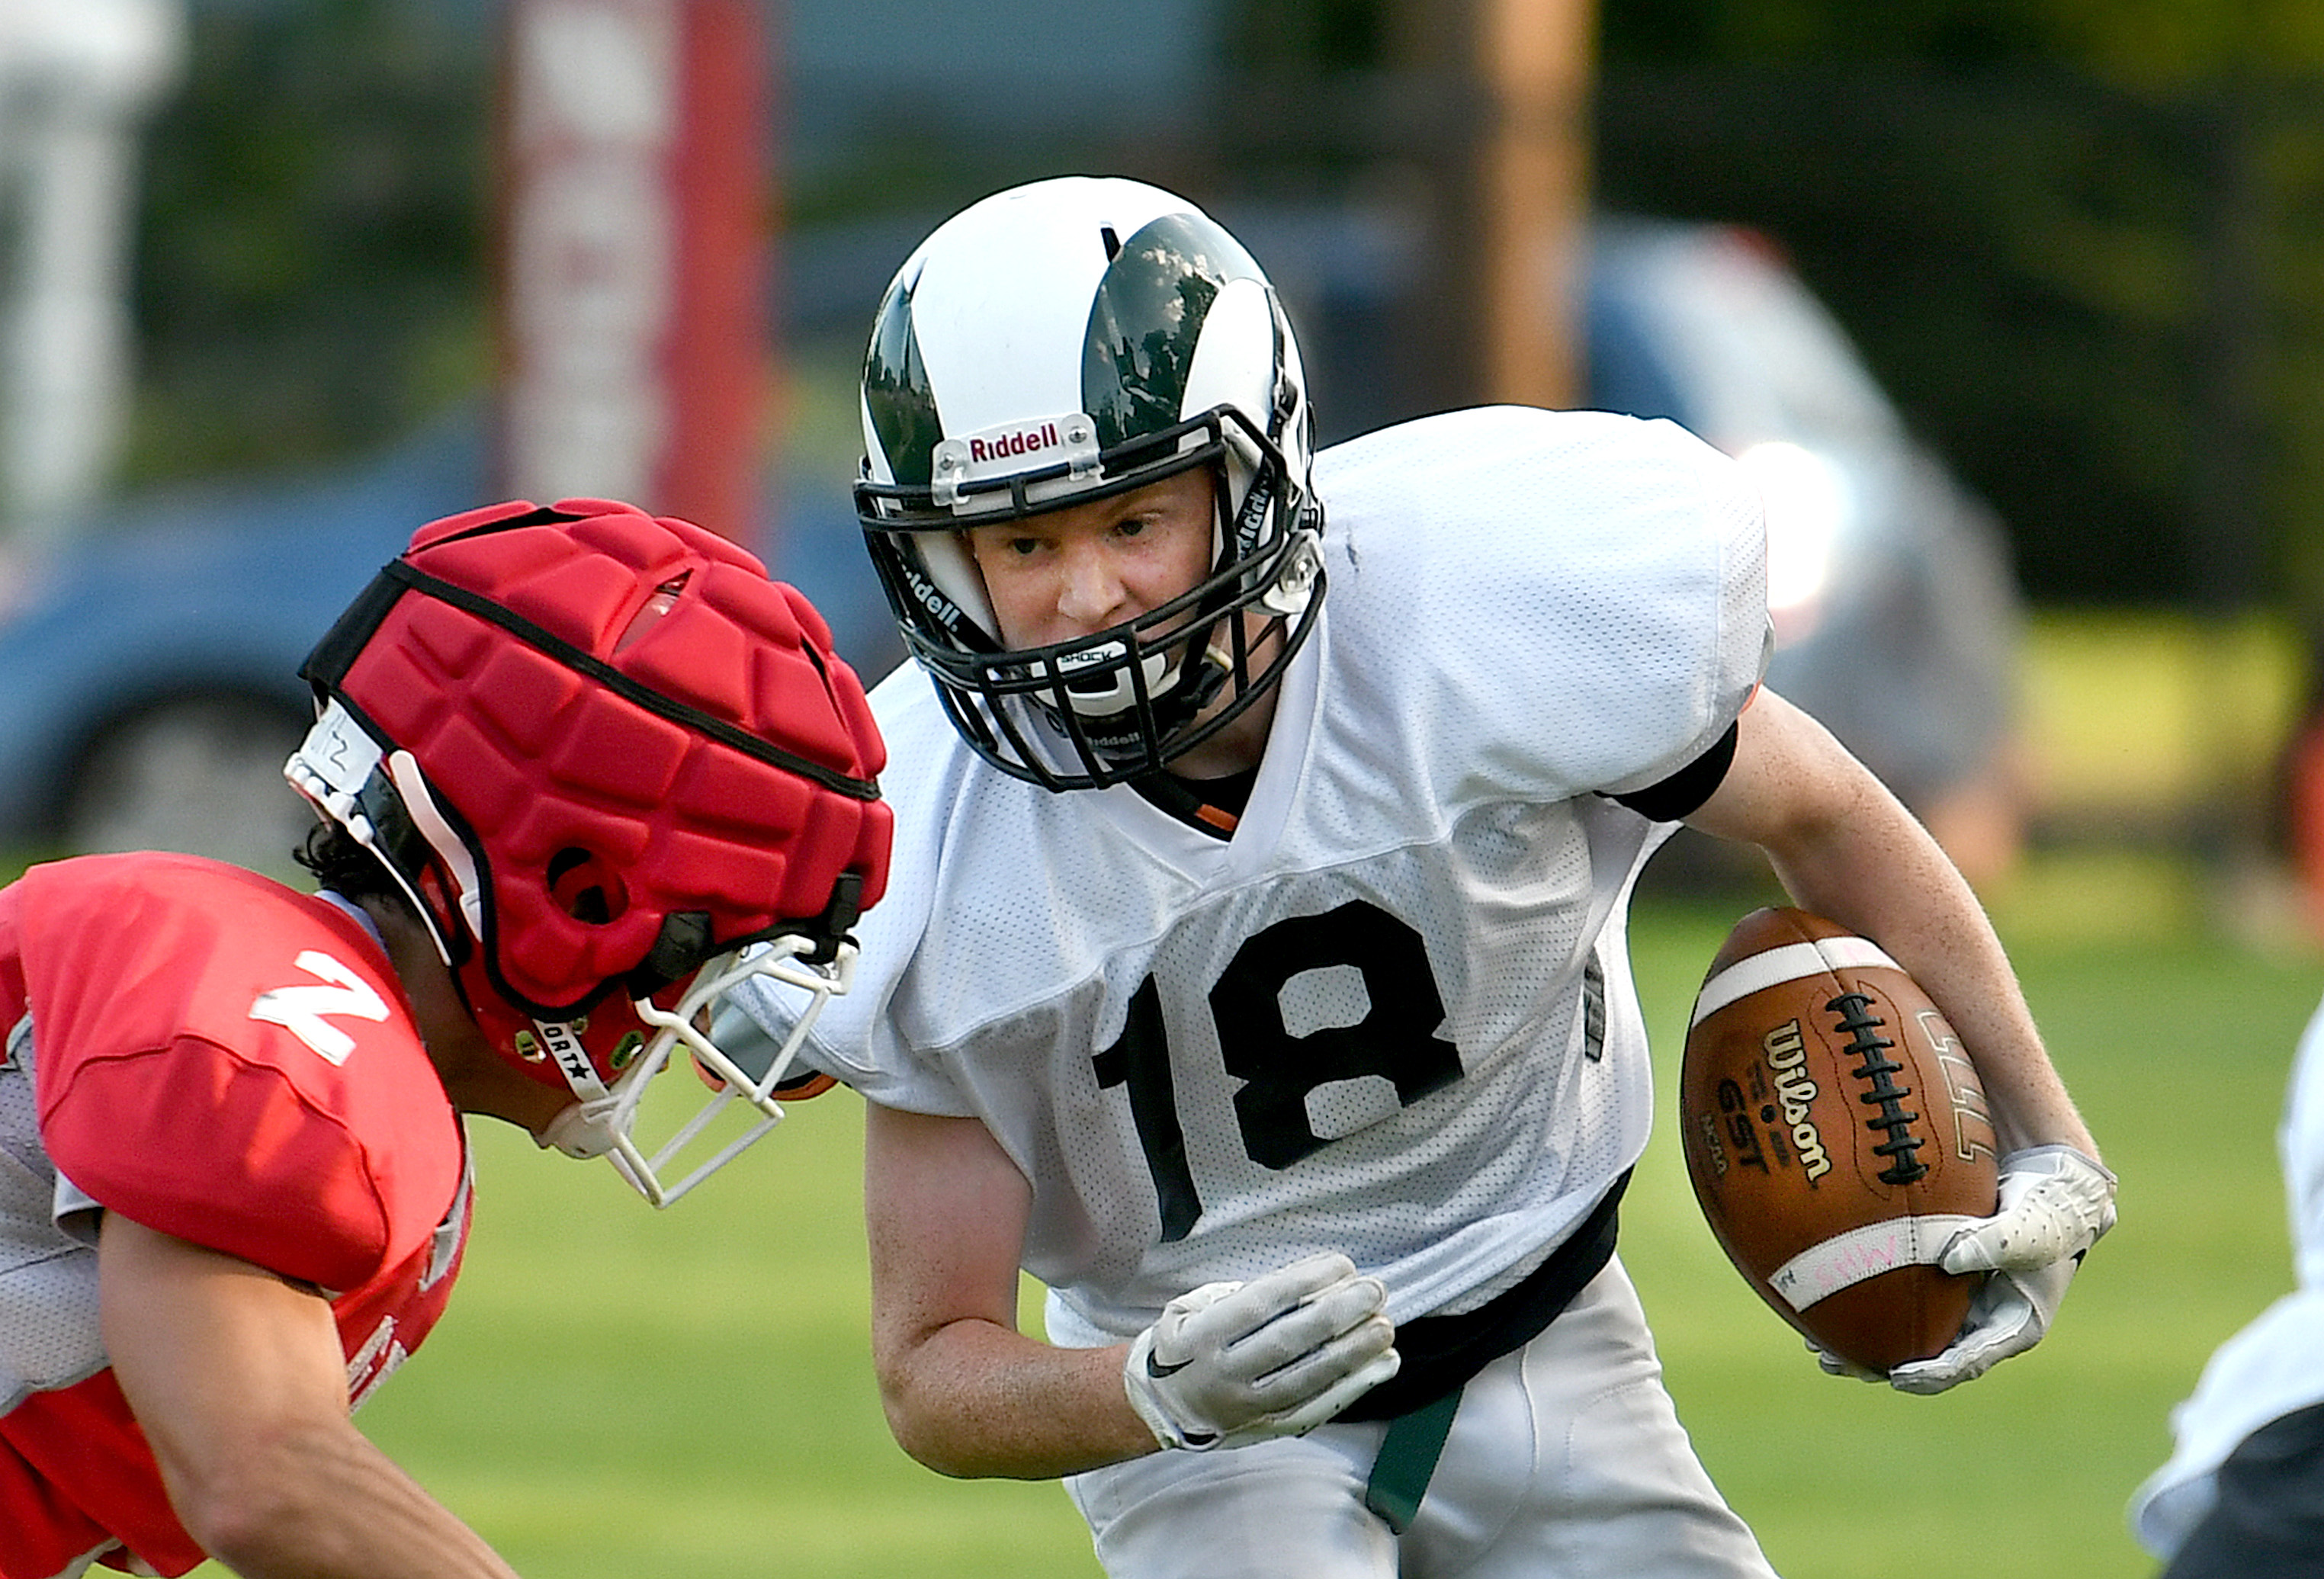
[150, 663]
[149, 688]
[1898, 616]
[148, 683]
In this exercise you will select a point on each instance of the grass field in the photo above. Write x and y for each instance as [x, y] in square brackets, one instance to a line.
[621, 1395]
[618, 1393]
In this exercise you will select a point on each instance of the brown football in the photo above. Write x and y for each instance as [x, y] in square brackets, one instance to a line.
[1837, 1136]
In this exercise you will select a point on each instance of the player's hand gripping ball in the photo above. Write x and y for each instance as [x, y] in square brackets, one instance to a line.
[1837, 1137]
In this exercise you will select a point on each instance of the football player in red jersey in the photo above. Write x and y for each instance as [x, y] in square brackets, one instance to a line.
[579, 772]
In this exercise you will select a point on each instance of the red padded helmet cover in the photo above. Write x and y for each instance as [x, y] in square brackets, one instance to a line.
[561, 784]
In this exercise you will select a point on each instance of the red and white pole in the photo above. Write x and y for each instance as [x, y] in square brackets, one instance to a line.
[634, 185]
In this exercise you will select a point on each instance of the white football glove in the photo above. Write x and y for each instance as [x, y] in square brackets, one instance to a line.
[1232, 1363]
[2055, 1204]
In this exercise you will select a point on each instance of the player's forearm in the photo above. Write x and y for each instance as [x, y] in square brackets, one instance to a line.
[1848, 850]
[1879, 872]
[238, 1380]
[326, 1504]
[975, 1399]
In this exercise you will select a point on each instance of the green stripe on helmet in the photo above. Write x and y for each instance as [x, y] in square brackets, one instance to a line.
[896, 390]
[1147, 319]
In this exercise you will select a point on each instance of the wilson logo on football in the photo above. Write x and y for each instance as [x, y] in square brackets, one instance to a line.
[1787, 1056]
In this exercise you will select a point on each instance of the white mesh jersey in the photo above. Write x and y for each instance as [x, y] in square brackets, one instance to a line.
[2269, 1368]
[1392, 1015]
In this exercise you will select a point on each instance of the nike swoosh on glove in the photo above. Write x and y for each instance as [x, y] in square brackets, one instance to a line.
[2055, 1204]
[1227, 1364]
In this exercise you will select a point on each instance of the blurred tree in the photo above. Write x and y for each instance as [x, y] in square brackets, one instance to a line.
[2129, 42]
[2075, 237]
[1320, 36]
[2079, 239]
[311, 243]
[2083, 240]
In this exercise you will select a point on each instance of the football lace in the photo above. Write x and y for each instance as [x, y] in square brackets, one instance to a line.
[1900, 1146]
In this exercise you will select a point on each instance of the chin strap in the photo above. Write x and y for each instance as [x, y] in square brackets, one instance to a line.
[603, 1119]
[585, 1129]
[578, 1131]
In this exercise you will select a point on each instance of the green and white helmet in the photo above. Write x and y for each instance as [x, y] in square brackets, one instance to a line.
[1056, 343]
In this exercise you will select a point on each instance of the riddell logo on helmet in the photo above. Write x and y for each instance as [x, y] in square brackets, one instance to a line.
[924, 591]
[1025, 441]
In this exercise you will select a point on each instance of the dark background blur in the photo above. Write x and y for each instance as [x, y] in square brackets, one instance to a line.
[2079, 244]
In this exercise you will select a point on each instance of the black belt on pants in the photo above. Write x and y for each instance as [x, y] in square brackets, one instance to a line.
[1441, 1353]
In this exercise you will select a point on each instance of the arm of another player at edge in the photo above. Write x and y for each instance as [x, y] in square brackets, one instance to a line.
[1846, 849]
[240, 1383]
[966, 1393]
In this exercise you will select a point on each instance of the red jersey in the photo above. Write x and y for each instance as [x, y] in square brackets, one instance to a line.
[217, 1057]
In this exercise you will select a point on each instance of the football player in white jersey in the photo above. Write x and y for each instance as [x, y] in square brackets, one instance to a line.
[2242, 1494]
[1253, 968]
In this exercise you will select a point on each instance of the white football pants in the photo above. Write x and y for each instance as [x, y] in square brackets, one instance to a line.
[1566, 1461]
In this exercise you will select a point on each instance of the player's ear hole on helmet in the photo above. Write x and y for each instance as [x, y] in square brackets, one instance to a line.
[586, 887]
